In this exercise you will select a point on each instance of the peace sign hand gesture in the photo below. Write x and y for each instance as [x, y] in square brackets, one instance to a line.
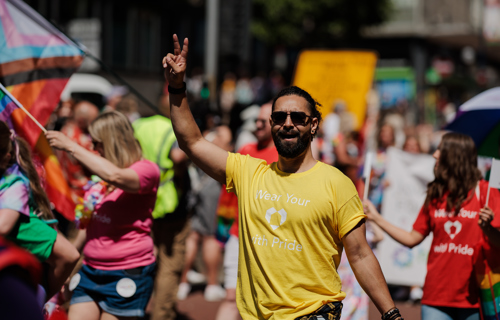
[175, 64]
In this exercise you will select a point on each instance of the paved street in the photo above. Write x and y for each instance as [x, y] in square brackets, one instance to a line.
[196, 308]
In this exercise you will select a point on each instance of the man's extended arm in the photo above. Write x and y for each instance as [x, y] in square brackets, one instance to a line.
[204, 154]
[366, 268]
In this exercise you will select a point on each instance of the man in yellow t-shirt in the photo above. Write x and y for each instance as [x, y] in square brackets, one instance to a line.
[296, 215]
[290, 244]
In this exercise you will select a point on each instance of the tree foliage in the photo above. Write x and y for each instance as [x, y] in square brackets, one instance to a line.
[315, 22]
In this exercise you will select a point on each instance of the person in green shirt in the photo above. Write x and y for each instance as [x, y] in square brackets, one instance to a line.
[25, 212]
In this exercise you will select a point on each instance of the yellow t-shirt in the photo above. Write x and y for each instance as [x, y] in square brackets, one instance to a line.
[290, 232]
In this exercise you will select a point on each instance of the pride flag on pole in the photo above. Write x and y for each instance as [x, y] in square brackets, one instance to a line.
[36, 61]
[8, 104]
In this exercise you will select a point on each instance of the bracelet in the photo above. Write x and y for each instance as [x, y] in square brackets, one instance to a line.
[392, 314]
[181, 90]
[72, 151]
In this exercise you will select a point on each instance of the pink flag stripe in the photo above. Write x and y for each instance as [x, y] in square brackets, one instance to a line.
[17, 39]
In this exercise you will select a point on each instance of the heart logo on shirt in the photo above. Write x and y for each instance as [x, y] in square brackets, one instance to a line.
[272, 211]
[449, 224]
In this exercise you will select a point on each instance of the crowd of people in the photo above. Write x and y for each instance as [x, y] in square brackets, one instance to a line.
[268, 188]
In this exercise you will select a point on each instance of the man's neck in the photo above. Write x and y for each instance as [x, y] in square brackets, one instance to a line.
[298, 164]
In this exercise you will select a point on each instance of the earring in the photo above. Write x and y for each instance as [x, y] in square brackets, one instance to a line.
[313, 131]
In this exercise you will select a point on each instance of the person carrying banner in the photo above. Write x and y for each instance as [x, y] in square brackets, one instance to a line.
[296, 215]
[25, 209]
[116, 279]
[455, 212]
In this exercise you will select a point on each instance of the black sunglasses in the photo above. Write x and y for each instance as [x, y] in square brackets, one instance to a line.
[297, 117]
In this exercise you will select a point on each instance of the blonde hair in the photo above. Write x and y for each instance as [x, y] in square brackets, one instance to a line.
[116, 134]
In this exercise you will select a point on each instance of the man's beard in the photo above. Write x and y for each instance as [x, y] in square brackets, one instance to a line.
[288, 149]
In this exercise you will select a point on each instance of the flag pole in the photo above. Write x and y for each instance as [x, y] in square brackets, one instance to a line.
[488, 194]
[23, 108]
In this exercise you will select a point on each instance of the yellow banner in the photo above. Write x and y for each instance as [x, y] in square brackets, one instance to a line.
[331, 76]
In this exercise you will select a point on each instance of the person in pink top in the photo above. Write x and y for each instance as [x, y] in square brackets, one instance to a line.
[116, 279]
[263, 149]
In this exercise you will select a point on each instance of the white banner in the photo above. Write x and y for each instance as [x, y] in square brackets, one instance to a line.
[408, 176]
[495, 174]
[484, 164]
[367, 172]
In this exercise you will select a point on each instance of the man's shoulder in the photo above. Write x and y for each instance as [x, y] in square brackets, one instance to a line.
[332, 174]
[329, 169]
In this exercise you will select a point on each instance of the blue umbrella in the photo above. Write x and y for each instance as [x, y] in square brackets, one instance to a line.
[480, 118]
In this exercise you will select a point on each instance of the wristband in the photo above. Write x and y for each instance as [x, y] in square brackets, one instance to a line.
[177, 90]
[392, 314]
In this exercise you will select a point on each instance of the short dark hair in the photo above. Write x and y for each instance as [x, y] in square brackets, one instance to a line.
[296, 91]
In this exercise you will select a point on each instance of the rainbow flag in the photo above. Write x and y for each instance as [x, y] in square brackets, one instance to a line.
[487, 270]
[7, 106]
[36, 61]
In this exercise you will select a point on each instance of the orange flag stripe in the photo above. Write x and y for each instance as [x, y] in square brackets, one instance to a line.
[38, 97]
[27, 93]
[55, 183]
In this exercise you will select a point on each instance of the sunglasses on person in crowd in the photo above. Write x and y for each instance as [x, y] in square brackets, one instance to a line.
[297, 117]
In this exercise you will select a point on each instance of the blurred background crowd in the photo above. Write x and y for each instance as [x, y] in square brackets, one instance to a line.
[431, 57]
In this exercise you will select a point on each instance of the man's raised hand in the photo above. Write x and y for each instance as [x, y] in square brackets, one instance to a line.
[175, 64]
